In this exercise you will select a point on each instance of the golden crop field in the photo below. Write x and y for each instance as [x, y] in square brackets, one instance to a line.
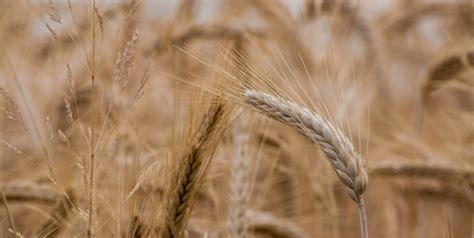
[237, 118]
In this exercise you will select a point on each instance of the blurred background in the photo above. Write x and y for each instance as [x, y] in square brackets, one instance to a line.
[395, 75]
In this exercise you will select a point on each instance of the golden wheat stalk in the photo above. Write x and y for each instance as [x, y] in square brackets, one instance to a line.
[343, 157]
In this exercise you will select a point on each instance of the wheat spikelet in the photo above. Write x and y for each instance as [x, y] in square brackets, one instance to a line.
[190, 172]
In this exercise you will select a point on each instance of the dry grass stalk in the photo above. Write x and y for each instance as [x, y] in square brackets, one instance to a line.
[191, 170]
[124, 64]
[92, 137]
[341, 154]
[266, 224]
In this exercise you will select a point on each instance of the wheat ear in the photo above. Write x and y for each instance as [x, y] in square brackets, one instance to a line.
[195, 162]
[239, 184]
[337, 147]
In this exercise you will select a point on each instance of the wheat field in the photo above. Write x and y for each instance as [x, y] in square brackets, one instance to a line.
[237, 118]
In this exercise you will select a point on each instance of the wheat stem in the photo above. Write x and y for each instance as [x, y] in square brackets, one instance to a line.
[364, 233]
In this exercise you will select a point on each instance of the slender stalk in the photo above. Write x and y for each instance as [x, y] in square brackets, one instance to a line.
[364, 233]
[90, 232]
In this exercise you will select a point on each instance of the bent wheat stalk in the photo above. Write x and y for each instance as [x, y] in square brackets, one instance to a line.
[337, 147]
